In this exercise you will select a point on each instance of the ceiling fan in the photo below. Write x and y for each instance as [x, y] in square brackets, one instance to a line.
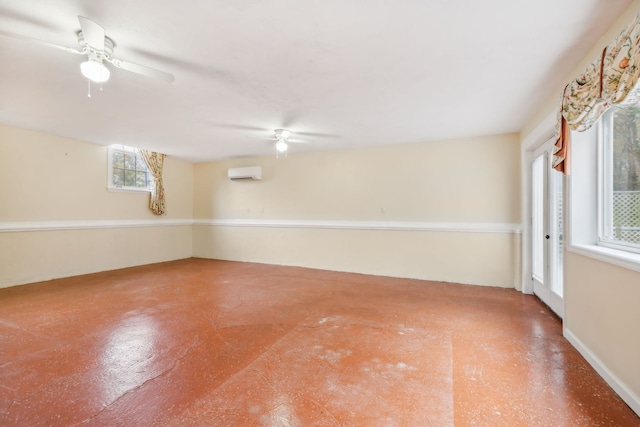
[283, 139]
[98, 48]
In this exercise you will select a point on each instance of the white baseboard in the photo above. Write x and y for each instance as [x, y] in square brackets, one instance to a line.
[630, 398]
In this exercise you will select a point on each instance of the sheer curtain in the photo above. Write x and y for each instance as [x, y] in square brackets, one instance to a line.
[609, 81]
[155, 163]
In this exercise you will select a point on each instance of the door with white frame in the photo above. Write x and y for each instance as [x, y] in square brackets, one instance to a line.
[547, 234]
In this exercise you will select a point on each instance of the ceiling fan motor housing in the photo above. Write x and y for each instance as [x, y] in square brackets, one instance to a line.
[94, 53]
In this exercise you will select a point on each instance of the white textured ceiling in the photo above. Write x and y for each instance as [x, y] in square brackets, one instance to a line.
[338, 73]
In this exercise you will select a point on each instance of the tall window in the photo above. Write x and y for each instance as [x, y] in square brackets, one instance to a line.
[127, 170]
[620, 179]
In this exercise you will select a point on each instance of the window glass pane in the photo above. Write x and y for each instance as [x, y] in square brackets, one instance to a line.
[130, 161]
[557, 247]
[118, 177]
[140, 165]
[118, 159]
[141, 179]
[625, 194]
[129, 178]
[537, 223]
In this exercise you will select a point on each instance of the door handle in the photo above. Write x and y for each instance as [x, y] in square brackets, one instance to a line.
[546, 237]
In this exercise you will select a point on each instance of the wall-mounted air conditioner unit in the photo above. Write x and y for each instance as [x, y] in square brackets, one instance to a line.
[249, 172]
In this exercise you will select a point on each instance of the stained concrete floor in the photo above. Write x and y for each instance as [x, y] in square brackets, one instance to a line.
[213, 343]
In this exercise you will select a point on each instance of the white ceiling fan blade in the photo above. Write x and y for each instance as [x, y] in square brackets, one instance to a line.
[291, 140]
[318, 135]
[143, 70]
[92, 32]
[40, 42]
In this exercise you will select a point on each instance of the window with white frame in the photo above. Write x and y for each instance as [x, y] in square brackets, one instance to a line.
[127, 169]
[619, 179]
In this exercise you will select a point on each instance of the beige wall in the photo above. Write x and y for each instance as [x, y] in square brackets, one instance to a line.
[464, 257]
[602, 312]
[43, 177]
[473, 182]
[33, 256]
[53, 182]
[601, 299]
[470, 180]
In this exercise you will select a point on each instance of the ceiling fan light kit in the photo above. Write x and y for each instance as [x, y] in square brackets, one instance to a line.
[281, 146]
[282, 136]
[95, 71]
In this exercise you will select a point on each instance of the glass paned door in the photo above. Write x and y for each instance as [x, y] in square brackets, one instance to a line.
[547, 235]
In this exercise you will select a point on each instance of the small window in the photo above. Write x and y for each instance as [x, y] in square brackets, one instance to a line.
[127, 169]
[620, 179]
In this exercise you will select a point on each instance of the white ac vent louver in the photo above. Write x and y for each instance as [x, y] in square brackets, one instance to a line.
[248, 172]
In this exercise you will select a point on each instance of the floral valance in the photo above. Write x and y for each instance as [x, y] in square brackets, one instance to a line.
[609, 81]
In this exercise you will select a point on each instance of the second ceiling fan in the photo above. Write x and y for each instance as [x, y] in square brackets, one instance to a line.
[283, 139]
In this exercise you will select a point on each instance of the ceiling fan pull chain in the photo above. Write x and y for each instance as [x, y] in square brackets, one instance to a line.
[88, 88]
